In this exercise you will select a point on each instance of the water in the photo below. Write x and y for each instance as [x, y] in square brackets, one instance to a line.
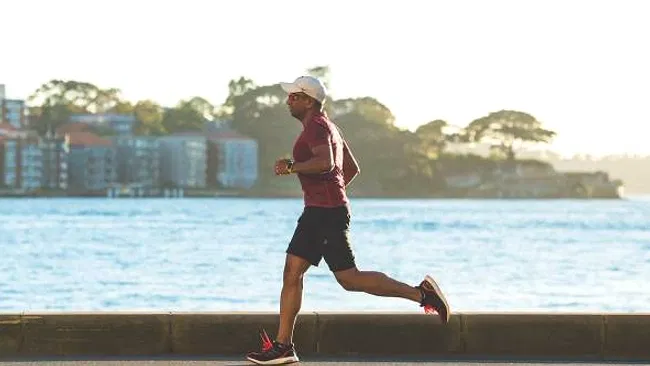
[227, 254]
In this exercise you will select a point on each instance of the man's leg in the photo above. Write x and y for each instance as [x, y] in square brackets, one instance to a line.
[282, 349]
[340, 259]
[291, 296]
[427, 293]
[376, 283]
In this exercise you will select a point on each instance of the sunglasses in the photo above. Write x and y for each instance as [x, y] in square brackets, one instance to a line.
[295, 96]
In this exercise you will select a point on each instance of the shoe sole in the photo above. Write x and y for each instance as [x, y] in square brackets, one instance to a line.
[278, 361]
[436, 288]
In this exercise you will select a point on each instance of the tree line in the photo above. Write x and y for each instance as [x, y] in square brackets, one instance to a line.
[394, 161]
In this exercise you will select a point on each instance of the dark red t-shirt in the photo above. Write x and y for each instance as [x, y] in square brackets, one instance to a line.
[326, 189]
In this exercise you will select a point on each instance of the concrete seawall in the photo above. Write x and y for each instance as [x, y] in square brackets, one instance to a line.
[532, 336]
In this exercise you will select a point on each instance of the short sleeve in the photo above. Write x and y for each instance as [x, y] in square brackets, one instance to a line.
[318, 135]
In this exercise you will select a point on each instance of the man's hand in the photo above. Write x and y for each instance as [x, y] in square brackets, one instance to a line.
[282, 167]
[350, 166]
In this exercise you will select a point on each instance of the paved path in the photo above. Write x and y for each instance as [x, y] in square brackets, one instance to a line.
[308, 362]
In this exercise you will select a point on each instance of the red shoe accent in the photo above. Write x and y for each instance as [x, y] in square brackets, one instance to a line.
[266, 341]
[428, 309]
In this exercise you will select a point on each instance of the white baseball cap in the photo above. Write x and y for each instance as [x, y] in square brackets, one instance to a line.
[309, 85]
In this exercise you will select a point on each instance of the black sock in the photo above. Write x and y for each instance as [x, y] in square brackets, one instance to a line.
[282, 344]
[422, 295]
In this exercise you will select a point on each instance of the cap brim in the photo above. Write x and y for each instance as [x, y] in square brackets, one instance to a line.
[290, 88]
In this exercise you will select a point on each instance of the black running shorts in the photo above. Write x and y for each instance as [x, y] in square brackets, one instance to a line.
[322, 232]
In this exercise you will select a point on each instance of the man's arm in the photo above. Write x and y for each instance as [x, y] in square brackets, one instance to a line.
[350, 166]
[321, 162]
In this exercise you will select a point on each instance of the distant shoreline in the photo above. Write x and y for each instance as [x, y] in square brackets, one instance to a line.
[288, 196]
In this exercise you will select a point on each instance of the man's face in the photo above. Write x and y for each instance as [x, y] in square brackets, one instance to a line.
[298, 104]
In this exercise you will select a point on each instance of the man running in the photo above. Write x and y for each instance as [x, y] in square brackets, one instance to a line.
[325, 166]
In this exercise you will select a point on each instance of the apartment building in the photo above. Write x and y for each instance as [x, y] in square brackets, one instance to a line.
[184, 161]
[121, 124]
[12, 111]
[91, 163]
[55, 151]
[232, 160]
[138, 160]
[22, 162]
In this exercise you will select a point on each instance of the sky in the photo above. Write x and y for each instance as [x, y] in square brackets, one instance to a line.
[580, 67]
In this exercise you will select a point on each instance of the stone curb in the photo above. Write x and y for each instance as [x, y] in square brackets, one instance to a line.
[523, 336]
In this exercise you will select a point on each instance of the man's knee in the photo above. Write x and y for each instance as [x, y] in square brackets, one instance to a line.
[348, 279]
[292, 276]
[294, 269]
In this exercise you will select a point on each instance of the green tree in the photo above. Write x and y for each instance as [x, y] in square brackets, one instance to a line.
[188, 115]
[236, 89]
[122, 107]
[149, 118]
[52, 104]
[391, 159]
[102, 100]
[432, 138]
[505, 129]
[261, 113]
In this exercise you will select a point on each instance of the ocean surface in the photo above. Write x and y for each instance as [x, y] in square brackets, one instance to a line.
[227, 254]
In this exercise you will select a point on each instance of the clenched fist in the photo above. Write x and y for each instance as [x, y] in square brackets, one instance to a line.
[283, 166]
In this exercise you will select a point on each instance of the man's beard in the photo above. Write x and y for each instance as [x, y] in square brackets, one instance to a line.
[297, 115]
